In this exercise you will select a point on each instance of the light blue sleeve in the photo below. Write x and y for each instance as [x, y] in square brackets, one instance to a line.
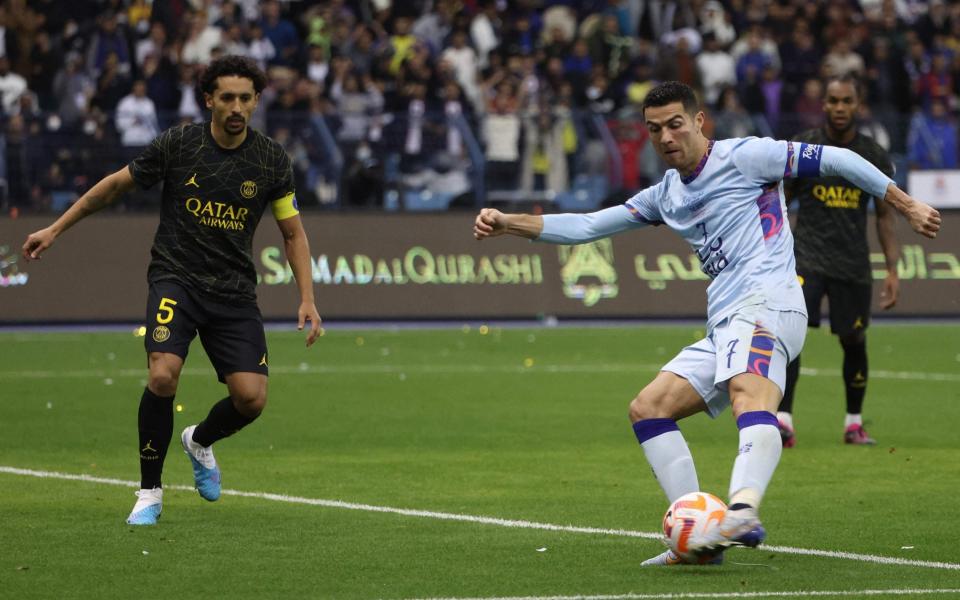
[572, 228]
[854, 168]
[768, 160]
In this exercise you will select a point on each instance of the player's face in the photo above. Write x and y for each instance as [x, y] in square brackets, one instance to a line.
[675, 134]
[232, 103]
[840, 104]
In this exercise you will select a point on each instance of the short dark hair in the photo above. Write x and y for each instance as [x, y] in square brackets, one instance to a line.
[845, 78]
[672, 91]
[239, 66]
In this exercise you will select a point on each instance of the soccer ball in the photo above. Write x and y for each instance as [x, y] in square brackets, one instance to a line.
[692, 516]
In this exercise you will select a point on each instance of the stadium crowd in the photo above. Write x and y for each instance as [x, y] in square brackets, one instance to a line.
[374, 96]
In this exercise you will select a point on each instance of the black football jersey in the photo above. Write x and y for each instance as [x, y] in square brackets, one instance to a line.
[830, 237]
[212, 201]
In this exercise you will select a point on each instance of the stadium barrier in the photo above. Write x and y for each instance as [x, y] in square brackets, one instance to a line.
[422, 267]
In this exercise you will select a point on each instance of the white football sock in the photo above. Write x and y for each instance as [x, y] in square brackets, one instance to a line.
[760, 449]
[786, 418]
[853, 420]
[672, 463]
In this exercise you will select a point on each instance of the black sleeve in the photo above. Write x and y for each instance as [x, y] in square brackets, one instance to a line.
[148, 168]
[284, 172]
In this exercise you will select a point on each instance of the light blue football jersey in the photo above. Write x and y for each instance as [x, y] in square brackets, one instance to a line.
[732, 212]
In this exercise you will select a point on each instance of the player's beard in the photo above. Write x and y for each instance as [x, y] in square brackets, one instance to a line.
[841, 129]
[235, 125]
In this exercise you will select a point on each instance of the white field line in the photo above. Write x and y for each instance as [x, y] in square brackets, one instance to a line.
[514, 523]
[693, 595]
[427, 369]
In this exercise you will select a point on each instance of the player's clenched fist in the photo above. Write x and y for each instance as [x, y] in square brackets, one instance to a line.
[489, 223]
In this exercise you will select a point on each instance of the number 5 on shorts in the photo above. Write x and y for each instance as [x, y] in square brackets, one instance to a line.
[165, 314]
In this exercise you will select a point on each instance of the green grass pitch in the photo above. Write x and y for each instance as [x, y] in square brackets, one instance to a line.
[510, 423]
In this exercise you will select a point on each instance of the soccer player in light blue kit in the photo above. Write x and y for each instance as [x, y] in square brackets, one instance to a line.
[726, 199]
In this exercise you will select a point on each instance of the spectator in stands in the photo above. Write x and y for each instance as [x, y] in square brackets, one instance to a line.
[772, 87]
[260, 49]
[755, 41]
[807, 111]
[731, 120]
[544, 163]
[714, 21]
[136, 118]
[188, 108]
[45, 60]
[112, 85]
[402, 43]
[434, 27]
[485, 31]
[578, 66]
[932, 143]
[356, 105]
[501, 134]
[465, 65]
[361, 48]
[801, 59]
[109, 39]
[202, 38]
[154, 43]
[12, 87]
[74, 88]
[842, 60]
[754, 59]
[232, 41]
[281, 33]
[716, 69]
[318, 67]
[936, 85]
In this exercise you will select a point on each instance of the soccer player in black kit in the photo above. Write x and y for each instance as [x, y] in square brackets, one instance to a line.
[218, 178]
[833, 259]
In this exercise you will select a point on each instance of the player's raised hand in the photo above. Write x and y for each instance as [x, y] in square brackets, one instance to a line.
[37, 242]
[924, 219]
[308, 311]
[489, 223]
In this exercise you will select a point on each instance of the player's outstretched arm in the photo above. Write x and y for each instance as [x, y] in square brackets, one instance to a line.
[103, 193]
[565, 228]
[297, 249]
[491, 223]
[891, 254]
[923, 218]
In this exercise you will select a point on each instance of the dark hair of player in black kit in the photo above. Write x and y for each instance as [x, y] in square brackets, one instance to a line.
[239, 66]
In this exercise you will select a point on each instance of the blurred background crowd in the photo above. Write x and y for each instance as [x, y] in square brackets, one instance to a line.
[431, 104]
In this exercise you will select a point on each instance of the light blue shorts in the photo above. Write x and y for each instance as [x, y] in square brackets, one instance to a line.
[755, 340]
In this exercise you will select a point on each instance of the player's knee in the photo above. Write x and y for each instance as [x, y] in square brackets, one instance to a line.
[648, 406]
[163, 382]
[249, 403]
[855, 338]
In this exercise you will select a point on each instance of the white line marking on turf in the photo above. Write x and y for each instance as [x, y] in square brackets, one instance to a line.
[520, 524]
[425, 369]
[797, 594]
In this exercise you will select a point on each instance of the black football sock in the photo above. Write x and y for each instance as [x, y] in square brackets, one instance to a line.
[793, 374]
[223, 421]
[155, 424]
[855, 375]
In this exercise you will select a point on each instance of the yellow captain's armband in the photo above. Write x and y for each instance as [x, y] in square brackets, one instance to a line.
[285, 207]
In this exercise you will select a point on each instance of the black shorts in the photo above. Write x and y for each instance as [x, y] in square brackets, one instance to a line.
[849, 302]
[231, 334]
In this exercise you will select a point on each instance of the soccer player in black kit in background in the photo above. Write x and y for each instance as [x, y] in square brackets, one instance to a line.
[218, 178]
[833, 259]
